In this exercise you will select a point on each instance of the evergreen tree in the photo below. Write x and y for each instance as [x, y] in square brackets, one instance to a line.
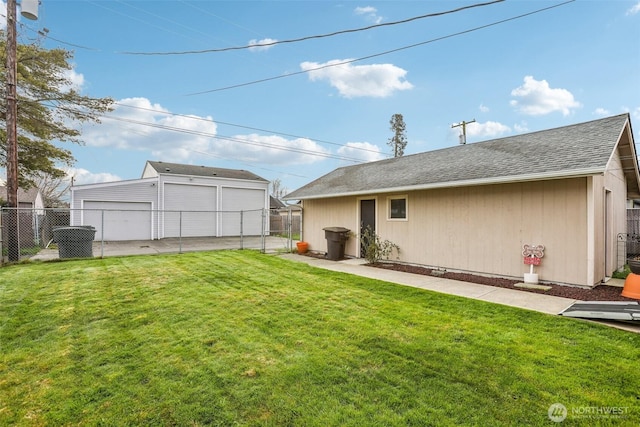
[49, 110]
[399, 139]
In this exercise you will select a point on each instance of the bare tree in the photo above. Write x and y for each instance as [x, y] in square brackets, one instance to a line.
[54, 189]
[277, 190]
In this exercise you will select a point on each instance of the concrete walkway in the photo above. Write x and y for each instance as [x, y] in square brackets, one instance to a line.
[527, 300]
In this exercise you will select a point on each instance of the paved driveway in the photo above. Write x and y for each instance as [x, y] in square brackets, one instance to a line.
[176, 245]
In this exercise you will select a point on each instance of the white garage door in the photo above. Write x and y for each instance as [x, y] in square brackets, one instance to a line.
[189, 210]
[118, 220]
[248, 201]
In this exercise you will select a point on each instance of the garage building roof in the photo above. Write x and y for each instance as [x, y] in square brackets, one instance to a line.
[164, 168]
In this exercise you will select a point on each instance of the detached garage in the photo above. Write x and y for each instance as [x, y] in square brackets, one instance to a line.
[172, 200]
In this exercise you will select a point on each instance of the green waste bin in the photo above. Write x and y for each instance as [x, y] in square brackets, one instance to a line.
[336, 239]
[74, 241]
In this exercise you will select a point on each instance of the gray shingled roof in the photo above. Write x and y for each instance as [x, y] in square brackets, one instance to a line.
[275, 203]
[576, 150]
[180, 169]
[24, 196]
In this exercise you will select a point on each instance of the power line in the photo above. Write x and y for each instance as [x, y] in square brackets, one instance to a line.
[319, 36]
[95, 3]
[45, 34]
[204, 153]
[241, 141]
[247, 127]
[227, 138]
[222, 137]
[350, 61]
[250, 165]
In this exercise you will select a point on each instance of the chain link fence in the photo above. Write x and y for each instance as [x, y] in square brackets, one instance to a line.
[628, 246]
[72, 233]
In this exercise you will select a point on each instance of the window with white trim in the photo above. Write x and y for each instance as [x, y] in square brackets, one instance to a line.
[397, 208]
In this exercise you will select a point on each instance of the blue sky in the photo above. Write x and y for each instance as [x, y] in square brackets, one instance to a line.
[316, 111]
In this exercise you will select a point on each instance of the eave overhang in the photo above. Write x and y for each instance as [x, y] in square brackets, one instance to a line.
[575, 173]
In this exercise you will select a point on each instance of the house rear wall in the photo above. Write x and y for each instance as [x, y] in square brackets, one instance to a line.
[478, 229]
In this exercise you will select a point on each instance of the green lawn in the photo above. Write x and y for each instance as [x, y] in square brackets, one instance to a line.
[243, 338]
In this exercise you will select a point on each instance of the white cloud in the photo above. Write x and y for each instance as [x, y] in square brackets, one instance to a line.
[361, 150]
[487, 129]
[75, 79]
[601, 112]
[364, 10]
[634, 9]
[3, 15]
[261, 42]
[370, 13]
[536, 98]
[352, 81]
[272, 149]
[82, 176]
[144, 127]
[521, 127]
[151, 128]
[483, 108]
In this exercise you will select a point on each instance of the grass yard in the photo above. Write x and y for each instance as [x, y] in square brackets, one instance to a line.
[242, 338]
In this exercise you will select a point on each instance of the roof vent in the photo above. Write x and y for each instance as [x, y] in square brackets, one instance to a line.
[167, 170]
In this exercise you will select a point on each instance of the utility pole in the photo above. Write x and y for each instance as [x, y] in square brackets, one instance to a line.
[463, 136]
[12, 135]
[12, 122]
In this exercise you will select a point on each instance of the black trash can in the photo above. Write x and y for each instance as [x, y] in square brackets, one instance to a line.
[75, 241]
[336, 239]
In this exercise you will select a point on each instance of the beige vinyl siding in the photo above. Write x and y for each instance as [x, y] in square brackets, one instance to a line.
[482, 229]
[321, 213]
[478, 229]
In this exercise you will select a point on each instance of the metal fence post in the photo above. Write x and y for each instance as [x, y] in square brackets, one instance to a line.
[241, 230]
[290, 230]
[36, 228]
[102, 234]
[263, 231]
[18, 233]
[180, 233]
[1, 248]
